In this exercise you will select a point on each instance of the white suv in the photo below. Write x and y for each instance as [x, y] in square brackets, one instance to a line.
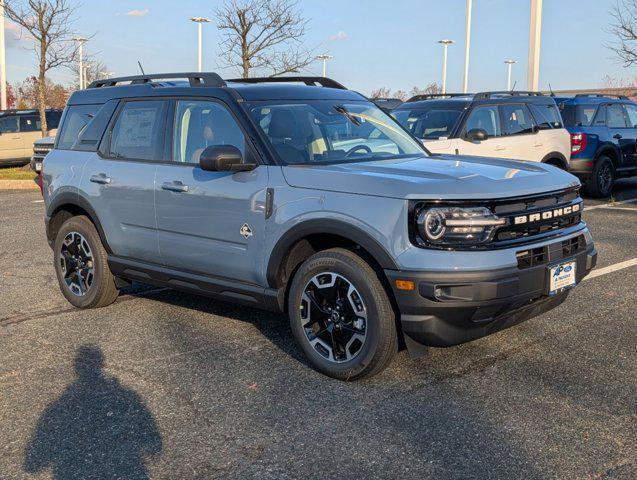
[515, 125]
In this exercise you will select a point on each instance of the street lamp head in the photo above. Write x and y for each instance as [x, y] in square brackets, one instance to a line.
[446, 41]
[80, 39]
[200, 19]
[324, 56]
[510, 62]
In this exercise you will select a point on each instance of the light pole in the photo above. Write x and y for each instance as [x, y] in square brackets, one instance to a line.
[81, 41]
[3, 63]
[465, 81]
[445, 43]
[509, 64]
[533, 76]
[199, 21]
[325, 57]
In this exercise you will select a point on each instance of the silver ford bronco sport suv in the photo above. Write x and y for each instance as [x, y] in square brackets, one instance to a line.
[300, 196]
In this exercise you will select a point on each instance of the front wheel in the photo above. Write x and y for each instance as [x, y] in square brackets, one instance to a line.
[602, 179]
[341, 316]
[81, 265]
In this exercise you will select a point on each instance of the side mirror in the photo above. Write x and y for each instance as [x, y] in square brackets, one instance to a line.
[477, 135]
[224, 158]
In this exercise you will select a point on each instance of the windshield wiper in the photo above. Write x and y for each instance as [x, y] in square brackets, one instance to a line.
[350, 117]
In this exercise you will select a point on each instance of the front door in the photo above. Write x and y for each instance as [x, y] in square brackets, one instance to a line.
[11, 147]
[485, 118]
[121, 181]
[210, 222]
[630, 161]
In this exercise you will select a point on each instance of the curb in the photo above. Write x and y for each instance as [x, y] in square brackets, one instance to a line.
[18, 185]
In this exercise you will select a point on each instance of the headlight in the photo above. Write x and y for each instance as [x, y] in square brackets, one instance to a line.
[449, 226]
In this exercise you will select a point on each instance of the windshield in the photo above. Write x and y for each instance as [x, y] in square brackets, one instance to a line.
[428, 123]
[331, 131]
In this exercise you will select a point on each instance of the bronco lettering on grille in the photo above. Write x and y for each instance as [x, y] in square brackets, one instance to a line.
[547, 215]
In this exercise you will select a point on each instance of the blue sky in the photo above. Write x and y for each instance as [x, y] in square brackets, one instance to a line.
[374, 42]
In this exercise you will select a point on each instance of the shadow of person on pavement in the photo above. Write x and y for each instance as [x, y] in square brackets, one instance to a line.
[96, 429]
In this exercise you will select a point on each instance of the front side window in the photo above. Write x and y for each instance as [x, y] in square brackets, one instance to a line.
[9, 124]
[30, 124]
[615, 116]
[485, 118]
[139, 133]
[428, 124]
[331, 131]
[547, 116]
[76, 119]
[517, 119]
[631, 111]
[200, 124]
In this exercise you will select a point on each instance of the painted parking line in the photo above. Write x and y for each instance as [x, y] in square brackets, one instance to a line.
[610, 205]
[37, 201]
[611, 268]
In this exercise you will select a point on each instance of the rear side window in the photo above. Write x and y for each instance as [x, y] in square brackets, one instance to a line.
[139, 131]
[428, 124]
[485, 118]
[30, 123]
[631, 111]
[547, 116]
[517, 119]
[615, 117]
[75, 120]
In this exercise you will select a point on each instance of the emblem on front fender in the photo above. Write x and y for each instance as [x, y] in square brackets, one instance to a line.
[245, 231]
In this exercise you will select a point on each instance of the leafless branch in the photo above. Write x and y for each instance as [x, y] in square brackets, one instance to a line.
[624, 29]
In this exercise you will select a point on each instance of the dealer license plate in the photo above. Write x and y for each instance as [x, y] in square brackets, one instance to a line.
[561, 277]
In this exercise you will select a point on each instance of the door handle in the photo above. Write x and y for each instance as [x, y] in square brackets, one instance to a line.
[101, 178]
[174, 187]
[499, 147]
[537, 144]
[618, 136]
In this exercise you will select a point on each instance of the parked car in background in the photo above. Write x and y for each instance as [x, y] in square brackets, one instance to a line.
[387, 104]
[19, 129]
[41, 147]
[515, 125]
[603, 139]
[298, 195]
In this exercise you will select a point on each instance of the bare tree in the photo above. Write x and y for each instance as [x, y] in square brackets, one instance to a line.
[431, 88]
[263, 35]
[624, 29]
[49, 24]
[618, 86]
[382, 92]
[94, 69]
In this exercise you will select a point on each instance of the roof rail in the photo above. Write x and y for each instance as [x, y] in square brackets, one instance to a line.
[429, 96]
[602, 95]
[312, 81]
[512, 93]
[196, 79]
[26, 111]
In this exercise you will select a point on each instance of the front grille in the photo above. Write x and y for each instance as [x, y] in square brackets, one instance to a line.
[551, 253]
[573, 246]
[533, 257]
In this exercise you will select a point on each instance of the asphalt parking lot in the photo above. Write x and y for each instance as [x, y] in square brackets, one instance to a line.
[168, 385]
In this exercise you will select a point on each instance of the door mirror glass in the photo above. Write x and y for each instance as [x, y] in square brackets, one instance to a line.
[477, 135]
[223, 158]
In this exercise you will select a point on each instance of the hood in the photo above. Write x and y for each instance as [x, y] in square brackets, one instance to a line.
[432, 178]
[45, 141]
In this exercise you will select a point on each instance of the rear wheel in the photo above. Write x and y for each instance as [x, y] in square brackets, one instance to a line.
[341, 316]
[602, 179]
[81, 265]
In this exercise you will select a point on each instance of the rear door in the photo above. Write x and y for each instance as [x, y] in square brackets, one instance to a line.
[630, 161]
[120, 179]
[11, 147]
[30, 131]
[617, 124]
[210, 222]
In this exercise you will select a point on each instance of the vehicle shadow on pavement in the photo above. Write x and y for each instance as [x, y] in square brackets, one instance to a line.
[96, 429]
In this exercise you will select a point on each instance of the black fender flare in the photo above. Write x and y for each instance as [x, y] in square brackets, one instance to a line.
[556, 156]
[606, 148]
[65, 200]
[326, 226]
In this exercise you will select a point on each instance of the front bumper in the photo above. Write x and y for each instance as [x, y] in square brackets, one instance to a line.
[452, 307]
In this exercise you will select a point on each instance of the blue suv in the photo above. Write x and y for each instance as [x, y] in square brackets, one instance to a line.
[300, 196]
[603, 139]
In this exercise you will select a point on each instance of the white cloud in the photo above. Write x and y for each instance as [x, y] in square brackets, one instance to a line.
[15, 36]
[138, 13]
[341, 35]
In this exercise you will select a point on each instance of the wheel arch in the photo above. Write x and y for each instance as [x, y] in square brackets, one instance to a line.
[609, 151]
[556, 159]
[67, 205]
[314, 235]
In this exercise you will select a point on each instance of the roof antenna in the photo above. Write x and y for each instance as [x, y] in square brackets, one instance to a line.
[141, 68]
[551, 90]
[513, 87]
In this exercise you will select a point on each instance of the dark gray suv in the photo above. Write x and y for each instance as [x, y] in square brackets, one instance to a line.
[300, 196]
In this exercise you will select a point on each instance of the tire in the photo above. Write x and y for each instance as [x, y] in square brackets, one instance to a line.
[365, 353]
[602, 178]
[98, 287]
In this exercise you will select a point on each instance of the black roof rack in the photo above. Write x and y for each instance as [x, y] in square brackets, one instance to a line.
[602, 95]
[512, 93]
[312, 81]
[27, 111]
[429, 96]
[196, 79]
